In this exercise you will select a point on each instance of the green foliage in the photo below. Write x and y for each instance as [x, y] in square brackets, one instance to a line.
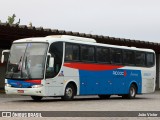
[11, 20]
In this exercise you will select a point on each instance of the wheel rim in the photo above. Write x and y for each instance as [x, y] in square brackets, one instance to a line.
[69, 92]
[132, 92]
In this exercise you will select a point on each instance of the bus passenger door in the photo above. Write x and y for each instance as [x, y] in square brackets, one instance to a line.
[54, 75]
[54, 85]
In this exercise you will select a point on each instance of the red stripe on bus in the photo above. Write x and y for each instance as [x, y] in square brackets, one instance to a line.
[92, 67]
[34, 81]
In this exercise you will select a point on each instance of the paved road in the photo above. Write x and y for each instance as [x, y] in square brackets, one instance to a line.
[145, 102]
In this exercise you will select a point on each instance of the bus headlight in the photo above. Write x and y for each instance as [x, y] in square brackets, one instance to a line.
[7, 85]
[37, 86]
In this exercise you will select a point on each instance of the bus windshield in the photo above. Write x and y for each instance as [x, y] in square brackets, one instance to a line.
[27, 61]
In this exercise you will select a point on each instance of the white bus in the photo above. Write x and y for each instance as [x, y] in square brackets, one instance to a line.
[66, 66]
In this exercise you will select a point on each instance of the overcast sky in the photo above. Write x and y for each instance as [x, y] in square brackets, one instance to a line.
[133, 19]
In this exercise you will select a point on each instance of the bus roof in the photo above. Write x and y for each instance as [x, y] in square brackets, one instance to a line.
[75, 39]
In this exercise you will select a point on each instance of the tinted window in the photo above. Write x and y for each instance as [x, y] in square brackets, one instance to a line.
[102, 54]
[75, 52]
[68, 55]
[56, 51]
[128, 57]
[72, 52]
[140, 59]
[116, 56]
[87, 53]
[150, 59]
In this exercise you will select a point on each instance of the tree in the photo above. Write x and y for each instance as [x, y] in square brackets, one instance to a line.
[11, 20]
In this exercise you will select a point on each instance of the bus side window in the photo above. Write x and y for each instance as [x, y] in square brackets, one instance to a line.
[140, 59]
[102, 55]
[76, 52]
[68, 55]
[71, 52]
[116, 56]
[87, 53]
[128, 57]
[149, 59]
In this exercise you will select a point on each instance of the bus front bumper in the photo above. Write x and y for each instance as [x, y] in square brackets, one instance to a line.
[25, 91]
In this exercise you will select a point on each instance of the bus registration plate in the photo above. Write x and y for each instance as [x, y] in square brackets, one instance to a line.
[20, 91]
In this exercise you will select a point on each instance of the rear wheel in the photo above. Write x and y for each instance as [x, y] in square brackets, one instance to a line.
[104, 96]
[69, 93]
[36, 98]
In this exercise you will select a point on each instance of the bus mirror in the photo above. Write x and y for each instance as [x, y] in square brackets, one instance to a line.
[51, 62]
[2, 59]
[4, 51]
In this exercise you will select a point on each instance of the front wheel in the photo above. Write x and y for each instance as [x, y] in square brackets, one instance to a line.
[36, 98]
[132, 92]
[69, 93]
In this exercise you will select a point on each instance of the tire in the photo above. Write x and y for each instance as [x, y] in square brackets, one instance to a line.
[104, 96]
[69, 93]
[36, 98]
[132, 92]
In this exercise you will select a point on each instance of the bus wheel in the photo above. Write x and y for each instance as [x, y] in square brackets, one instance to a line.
[104, 96]
[132, 92]
[36, 98]
[69, 93]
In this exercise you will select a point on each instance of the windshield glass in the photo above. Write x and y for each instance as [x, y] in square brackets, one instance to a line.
[27, 61]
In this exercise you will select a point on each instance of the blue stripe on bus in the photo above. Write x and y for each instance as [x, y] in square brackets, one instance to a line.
[115, 81]
[20, 83]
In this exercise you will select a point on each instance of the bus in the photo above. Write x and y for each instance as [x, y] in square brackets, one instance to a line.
[67, 66]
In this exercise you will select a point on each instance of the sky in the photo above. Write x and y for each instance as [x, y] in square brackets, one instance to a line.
[130, 19]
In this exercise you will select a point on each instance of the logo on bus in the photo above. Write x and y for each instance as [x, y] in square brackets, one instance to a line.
[120, 73]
